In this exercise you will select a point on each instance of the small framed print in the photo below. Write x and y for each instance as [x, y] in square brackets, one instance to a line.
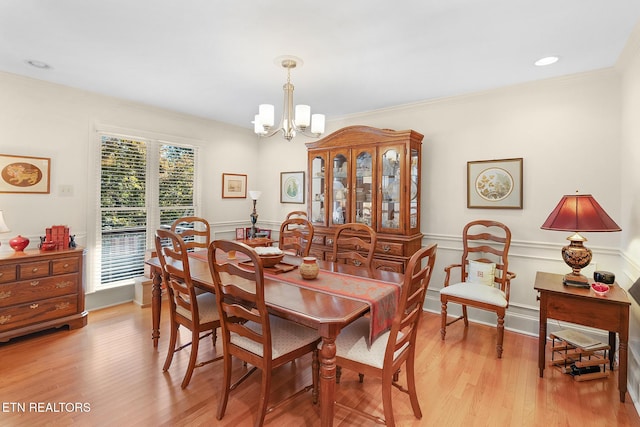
[292, 187]
[240, 233]
[234, 186]
[23, 174]
[494, 184]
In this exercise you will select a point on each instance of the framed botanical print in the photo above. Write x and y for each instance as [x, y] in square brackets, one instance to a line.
[494, 184]
[291, 187]
[24, 174]
[234, 186]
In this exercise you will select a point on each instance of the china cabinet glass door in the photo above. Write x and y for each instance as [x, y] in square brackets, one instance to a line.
[339, 189]
[317, 190]
[391, 189]
[414, 205]
[364, 187]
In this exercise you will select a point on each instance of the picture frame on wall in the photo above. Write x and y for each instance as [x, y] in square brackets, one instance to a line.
[495, 184]
[24, 174]
[234, 186]
[292, 187]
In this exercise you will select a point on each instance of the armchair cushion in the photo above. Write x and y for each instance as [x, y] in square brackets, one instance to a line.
[481, 272]
[476, 292]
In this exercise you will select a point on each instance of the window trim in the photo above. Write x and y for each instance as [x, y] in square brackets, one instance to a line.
[154, 141]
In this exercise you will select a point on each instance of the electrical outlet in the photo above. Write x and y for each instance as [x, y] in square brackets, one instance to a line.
[65, 190]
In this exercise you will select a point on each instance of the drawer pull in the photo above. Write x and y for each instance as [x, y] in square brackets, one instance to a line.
[62, 306]
[386, 248]
[64, 284]
[35, 305]
[34, 269]
[4, 295]
[357, 263]
[5, 319]
[1, 274]
[66, 265]
[35, 283]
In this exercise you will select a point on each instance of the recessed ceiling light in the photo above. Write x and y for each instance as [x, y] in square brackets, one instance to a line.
[38, 64]
[547, 60]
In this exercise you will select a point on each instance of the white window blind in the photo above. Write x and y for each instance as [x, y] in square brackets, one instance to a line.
[144, 185]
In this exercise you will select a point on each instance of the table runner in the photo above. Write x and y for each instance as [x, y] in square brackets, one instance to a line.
[382, 297]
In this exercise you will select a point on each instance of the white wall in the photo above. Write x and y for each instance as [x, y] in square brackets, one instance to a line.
[629, 66]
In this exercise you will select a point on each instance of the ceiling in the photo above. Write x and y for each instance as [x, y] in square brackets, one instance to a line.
[216, 59]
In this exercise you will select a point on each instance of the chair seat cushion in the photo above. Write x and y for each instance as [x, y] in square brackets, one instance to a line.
[286, 336]
[207, 308]
[476, 292]
[352, 343]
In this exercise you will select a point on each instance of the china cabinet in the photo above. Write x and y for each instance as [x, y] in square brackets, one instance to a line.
[41, 290]
[371, 176]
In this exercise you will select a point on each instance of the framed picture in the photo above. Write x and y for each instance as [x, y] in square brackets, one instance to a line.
[234, 186]
[291, 187]
[239, 233]
[494, 184]
[23, 174]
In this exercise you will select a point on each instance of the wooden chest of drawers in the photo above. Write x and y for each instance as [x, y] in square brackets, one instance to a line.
[41, 290]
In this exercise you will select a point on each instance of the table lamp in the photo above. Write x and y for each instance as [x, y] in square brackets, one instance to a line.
[578, 213]
[255, 195]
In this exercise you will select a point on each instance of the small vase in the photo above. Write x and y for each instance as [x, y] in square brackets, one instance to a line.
[309, 268]
[19, 243]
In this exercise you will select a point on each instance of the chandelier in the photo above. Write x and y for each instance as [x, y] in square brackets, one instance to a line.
[303, 122]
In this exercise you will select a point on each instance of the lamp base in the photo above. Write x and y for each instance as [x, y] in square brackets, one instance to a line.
[577, 280]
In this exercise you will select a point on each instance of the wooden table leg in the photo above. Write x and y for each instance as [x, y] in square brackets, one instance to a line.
[542, 333]
[622, 356]
[156, 301]
[327, 378]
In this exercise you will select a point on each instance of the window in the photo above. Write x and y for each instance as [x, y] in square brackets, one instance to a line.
[144, 185]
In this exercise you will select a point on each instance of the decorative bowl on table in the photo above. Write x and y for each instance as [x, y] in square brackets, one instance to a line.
[269, 255]
[600, 288]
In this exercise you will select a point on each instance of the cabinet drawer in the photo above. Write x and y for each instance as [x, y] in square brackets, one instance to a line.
[65, 265]
[38, 289]
[389, 248]
[37, 311]
[32, 270]
[388, 265]
[317, 240]
[7, 273]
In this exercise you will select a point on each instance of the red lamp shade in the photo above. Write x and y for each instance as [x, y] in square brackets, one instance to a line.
[578, 213]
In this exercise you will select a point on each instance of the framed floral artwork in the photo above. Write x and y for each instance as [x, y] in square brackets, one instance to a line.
[234, 186]
[291, 187]
[494, 184]
[24, 174]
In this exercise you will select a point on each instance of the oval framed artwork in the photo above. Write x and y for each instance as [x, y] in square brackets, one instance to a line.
[494, 184]
[24, 174]
[291, 187]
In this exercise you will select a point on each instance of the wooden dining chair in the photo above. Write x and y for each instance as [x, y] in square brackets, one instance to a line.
[384, 357]
[195, 231]
[295, 236]
[485, 279]
[355, 244]
[297, 214]
[196, 312]
[249, 332]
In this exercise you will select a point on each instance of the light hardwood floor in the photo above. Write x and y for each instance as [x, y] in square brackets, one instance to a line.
[110, 369]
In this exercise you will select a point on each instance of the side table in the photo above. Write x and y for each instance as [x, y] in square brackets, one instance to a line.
[583, 307]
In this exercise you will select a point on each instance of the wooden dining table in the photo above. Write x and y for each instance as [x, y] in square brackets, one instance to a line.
[286, 296]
